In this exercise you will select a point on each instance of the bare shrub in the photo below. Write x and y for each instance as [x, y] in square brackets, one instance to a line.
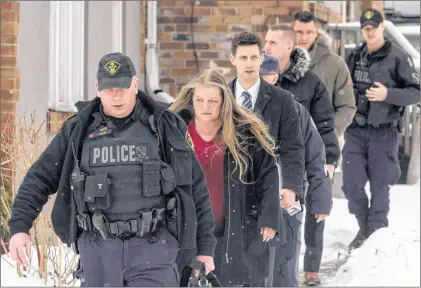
[21, 145]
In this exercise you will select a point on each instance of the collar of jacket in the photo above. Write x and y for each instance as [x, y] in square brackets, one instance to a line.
[100, 117]
[300, 64]
[186, 114]
[263, 96]
[87, 108]
[382, 52]
[321, 48]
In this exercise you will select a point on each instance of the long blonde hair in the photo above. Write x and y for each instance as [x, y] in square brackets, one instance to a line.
[233, 119]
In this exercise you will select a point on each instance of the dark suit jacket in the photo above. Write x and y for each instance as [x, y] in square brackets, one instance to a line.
[276, 107]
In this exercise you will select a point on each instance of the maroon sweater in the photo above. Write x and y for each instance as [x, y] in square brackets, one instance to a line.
[211, 158]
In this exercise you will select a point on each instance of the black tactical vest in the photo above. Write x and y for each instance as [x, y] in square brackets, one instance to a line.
[362, 82]
[124, 170]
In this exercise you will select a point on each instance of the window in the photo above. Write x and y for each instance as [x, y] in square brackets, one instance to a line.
[66, 54]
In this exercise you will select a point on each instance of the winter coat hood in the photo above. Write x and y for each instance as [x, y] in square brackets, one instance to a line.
[300, 64]
[321, 48]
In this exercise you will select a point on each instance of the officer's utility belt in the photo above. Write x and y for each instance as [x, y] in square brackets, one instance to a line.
[361, 121]
[146, 225]
[380, 126]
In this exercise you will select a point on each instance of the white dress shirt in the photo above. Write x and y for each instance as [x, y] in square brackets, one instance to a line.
[253, 91]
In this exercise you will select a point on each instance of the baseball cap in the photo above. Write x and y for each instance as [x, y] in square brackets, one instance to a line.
[270, 65]
[115, 70]
[372, 17]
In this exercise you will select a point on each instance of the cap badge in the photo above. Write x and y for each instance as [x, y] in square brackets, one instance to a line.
[112, 67]
[368, 15]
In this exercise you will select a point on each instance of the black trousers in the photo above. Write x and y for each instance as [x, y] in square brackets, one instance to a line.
[370, 154]
[313, 238]
[130, 263]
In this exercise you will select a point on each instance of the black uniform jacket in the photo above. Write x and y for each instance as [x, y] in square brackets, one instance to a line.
[51, 173]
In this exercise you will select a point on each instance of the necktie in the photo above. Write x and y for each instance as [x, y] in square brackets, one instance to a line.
[247, 100]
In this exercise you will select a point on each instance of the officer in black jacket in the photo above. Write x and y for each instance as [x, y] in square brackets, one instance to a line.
[385, 81]
[125, 179]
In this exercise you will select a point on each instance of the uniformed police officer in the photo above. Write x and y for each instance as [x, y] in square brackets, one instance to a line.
[130, 192]
[385, 81]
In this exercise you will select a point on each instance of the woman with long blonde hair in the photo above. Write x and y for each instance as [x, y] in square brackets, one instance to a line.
[236, 153]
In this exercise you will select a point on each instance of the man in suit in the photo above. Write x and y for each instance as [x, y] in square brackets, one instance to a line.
[277, 108]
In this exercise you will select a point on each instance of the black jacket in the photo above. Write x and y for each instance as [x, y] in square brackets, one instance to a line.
[51, 173]
[394, 69]
[310, 91]
[276, 107]
[247, 208]
[319, 192]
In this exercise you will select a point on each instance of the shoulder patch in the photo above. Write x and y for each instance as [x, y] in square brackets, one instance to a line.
[189, 140]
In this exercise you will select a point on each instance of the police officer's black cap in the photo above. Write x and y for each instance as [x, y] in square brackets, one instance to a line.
[372, 17]
[115, 70]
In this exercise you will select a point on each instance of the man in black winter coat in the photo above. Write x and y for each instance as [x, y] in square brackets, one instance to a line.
[125, 179]
[385, 81]
[295, 76]
[318, 195]
[276, 107]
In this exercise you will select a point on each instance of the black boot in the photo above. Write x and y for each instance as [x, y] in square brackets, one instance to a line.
[362, 234]
[374, 226]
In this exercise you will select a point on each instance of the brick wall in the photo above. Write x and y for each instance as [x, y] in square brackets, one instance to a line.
[324, 14]
[55, 120]
[214, 25]
[373, 4]
[9, 76]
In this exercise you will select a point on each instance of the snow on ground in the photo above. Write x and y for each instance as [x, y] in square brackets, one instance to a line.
[31, 277]
[390, 257]
[10, 278]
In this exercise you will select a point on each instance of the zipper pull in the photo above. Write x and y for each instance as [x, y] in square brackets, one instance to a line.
[226, 258]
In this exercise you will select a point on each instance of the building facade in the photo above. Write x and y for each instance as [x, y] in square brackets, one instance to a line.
[50, 50]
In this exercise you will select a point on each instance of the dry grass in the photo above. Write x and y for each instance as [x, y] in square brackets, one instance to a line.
[21, 145]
